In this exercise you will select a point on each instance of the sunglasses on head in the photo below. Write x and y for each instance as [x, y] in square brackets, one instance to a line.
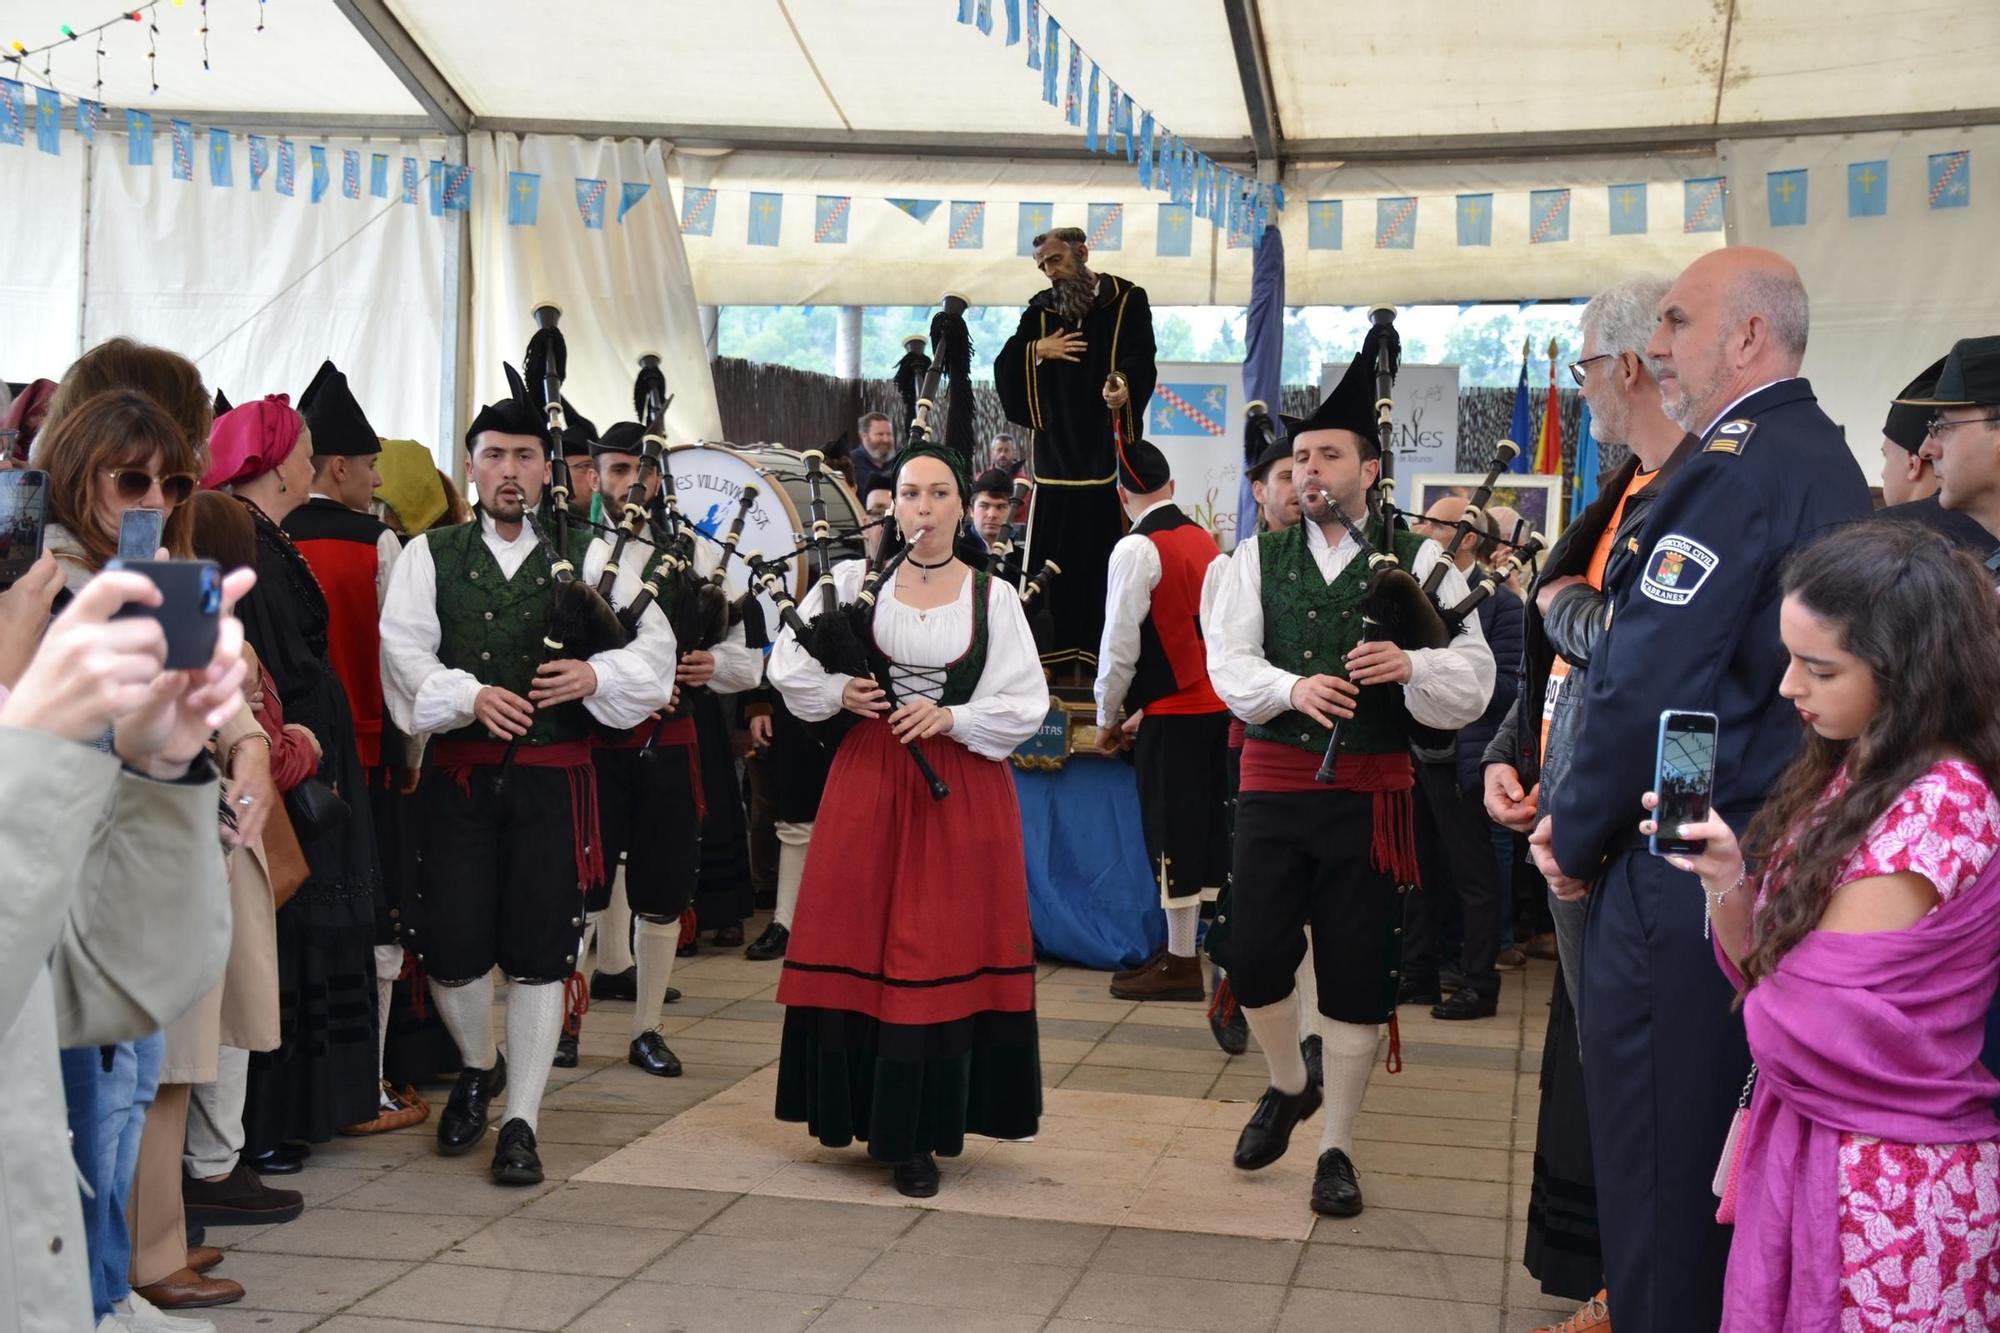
[134, 483]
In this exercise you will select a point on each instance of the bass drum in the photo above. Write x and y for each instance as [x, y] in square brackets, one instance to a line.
[708, 484]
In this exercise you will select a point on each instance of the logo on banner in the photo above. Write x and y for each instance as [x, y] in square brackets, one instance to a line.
[1323, 224]
[968, 225]
[1628, 209]
[1107, 227]
[1188, 409]
[590, 202]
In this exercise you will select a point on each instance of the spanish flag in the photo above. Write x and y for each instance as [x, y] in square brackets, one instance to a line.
[1549, 450]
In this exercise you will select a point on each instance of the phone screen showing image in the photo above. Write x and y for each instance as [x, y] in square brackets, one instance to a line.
[1685, 780]
[139, 533]
[23, 508]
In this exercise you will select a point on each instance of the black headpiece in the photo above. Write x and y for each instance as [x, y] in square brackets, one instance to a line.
[1970, 376]
[222, 403]
[1906, 421]
[620, 437]
[1277, 452]
[1142, 468]
[579, 432]
[1351, 405]
[994, 481]
[515, 414]
[338, 424]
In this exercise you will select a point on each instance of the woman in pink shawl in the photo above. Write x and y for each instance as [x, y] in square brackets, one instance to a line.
[1864, 936]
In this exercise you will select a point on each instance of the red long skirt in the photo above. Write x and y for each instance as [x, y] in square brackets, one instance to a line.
[912, 910]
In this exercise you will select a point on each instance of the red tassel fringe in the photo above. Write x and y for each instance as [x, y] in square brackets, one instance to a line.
[1394, 1063]
[576, 1003]
[1393, 849]
[1222, 1009]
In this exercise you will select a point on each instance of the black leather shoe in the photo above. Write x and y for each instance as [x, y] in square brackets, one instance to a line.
[729, 937]
[1264, 1140]
[615, 985]
[770, 945]
[565, 1051]
[1232, 1034]
[275, 1164]
[1466, 1002]
[1336, 1193]
[1311, 1049]
[515, 1161]
[463, 1121]
[688, 950]
[1416, 990]
[649, 1052]
[918, 1177]
[673, 993]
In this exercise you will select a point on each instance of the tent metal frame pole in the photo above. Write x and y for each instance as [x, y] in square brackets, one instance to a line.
[859, 143]
[455, 339]
[1260, 103]
[407, 60]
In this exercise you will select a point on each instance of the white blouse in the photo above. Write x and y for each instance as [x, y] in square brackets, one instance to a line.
[1008, 703]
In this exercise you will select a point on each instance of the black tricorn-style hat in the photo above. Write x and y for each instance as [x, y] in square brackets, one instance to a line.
[1970, 378]
[1275, 452]
[1907, 421]
[339, 426]
[579, 431]
[1142, 468]
[222, 403]
[515, 414]
[620, 437]
[1351, 405]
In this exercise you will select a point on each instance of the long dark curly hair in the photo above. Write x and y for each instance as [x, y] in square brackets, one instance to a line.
[1921, 615]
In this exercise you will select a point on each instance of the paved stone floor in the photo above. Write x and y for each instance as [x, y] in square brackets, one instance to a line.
[679, 1204]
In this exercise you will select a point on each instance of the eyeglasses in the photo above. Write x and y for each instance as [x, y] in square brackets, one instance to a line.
[133, 484]
[1938, 425]
[1576, 367]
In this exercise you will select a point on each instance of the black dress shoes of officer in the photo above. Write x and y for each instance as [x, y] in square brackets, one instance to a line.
[649, 1052]
[1336, 1193]
[770, 945]
[515, 1161]
[463, 1122]
[1264, 1140]
[918, 1177]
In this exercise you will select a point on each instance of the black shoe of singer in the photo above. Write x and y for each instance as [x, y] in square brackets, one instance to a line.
[649, 1052]
[565, 1051]
[1336, 1192]
[1466, 1002]
[615, 985]
[1313, 1049]
[729, 937]
[1264, 1140]
[918, 1177]
[463, 1121]
[515, 1161]
[770, 945]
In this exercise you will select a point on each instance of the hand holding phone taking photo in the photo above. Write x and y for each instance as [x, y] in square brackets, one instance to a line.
[190, 607]
[1683, 779]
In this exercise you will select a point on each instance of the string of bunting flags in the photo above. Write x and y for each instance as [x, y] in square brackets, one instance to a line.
[1114, 124]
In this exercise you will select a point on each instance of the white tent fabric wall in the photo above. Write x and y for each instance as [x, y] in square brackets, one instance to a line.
[623, 290]
[1890, 294]
[39, 250]
[192, 267]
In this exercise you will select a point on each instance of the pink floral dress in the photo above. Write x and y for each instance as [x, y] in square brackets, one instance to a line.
[1920, 1222]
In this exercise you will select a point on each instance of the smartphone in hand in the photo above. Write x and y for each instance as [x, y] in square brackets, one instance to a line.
[24, 497]
[139, 532]
[1683, 779]
[190, 609]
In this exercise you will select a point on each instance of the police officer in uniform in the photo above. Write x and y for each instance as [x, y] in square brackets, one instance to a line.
[1664, 1058]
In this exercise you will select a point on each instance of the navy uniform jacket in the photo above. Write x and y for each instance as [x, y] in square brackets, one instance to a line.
[1698, 629]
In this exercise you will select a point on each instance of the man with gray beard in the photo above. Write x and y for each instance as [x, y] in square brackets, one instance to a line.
[1055, 375]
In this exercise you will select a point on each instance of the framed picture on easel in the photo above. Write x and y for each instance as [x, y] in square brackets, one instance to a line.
[1537, 496]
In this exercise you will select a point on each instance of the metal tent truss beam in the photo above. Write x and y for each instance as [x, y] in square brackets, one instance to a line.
[1260, 103]
[406, 59]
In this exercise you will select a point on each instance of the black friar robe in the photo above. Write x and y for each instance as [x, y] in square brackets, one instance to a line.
[1076, 513]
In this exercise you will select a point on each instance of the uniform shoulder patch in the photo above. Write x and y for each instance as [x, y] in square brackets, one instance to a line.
[1676, 570]
[1731, 436]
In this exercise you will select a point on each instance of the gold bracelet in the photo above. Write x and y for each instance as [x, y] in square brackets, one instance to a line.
[229, 760]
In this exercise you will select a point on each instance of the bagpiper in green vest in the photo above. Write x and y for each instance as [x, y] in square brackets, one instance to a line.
[491, 626]
[960, 677]
[1310, 626]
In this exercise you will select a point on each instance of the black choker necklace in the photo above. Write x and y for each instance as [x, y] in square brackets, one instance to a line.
[926, 575]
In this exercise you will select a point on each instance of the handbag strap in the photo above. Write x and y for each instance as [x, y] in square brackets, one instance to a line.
[1748, 1083]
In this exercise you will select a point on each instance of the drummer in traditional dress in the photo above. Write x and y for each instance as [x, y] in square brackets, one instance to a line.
[1287, 653]
[910, 977]
[1081, 360]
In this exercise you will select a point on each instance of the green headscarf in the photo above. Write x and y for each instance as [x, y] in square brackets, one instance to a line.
[951, 458]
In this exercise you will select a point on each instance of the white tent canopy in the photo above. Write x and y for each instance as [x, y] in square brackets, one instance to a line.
[873, 99]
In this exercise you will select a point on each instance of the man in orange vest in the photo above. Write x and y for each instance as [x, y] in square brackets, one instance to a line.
[1152, 660]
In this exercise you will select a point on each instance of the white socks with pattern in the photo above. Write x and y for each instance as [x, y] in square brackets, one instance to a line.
[1181, 923]
[467, 1011]
[1349, 1058]
[534, 1024]
[1276, 1027]
[657, 942]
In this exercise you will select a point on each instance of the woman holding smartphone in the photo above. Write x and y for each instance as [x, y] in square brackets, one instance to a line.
[1860, 921]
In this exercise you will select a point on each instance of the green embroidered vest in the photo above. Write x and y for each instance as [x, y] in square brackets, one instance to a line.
[492, 626]
[962, 676]
[1310, 626]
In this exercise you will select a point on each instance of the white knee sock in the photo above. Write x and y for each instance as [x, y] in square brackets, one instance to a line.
[1181, 923]
[1349, 1057]
[534, 1022]
[614, 932]
[388, 966]
[657, 942]
[1308, 992]
[589, 939]
[1276, 1027]
[468, 1014]
[792, 841]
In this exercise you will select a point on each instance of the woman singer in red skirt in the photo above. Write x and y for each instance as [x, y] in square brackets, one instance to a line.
[909, 984]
